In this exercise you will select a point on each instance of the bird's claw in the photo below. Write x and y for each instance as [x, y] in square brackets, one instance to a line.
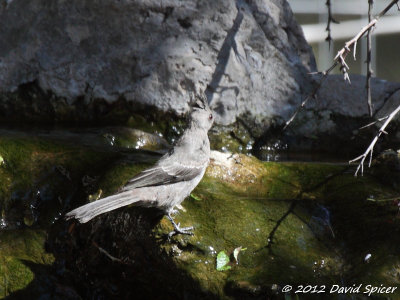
[179, 230]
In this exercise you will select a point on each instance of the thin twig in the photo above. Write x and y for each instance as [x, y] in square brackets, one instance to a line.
[373, 123]
[342, 53]
[383, 199]
[369, 68]
[370, 148]
[331, 19]
[340, 58]
[312, 95]
[113, 258]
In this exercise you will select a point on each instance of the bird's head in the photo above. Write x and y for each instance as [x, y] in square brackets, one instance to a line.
[201, 116]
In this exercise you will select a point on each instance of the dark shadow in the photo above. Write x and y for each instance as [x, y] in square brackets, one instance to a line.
[295, 201]
[45, 285]
[117, 256]
[223, 56]
[114, 256]
[147, 52]
[278, 223]
[359, 227]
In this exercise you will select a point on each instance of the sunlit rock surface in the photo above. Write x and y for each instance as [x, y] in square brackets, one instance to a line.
[251, 56]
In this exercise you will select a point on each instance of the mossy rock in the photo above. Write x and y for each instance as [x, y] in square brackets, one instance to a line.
[18, 249]
[292, 218]
[135, 139]
[301, 223]
[233, 138]
[40, 177]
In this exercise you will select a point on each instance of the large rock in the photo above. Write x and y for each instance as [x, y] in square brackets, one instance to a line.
[251, 56]
[350, 100]
[332, 122]
[77, 60]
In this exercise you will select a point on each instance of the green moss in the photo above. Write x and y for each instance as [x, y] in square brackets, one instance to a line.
[152, 121]
[118, 174]
[26, 244]
[14, 276]
[274, 218]
[135, 139]
[37, 169]
[17, 248]
[275, 210]
[233, 138]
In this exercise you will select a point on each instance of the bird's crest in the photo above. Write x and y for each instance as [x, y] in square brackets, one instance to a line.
[199, 100]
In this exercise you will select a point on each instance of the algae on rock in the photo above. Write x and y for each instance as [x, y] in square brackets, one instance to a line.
[18, 249]
[300, 222]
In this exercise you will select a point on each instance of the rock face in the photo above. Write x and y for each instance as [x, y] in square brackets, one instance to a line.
[333, 121]
[350, 100]
[81, 60]
[250, 56]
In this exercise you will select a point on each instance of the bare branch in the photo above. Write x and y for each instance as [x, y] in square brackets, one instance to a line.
[369, 68]
[370, 148]
[387, 8]
[342, 53]
[372, 123]
[113, 258]
[312, 95]
[340, 58]
[331, 19]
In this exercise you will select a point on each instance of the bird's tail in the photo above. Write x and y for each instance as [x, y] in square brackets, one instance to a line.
[88, 211]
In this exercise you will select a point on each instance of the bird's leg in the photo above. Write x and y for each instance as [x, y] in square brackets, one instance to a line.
[177, 229]
[173, 212]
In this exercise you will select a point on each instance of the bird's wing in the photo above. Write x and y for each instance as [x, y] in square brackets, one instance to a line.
[166, 173]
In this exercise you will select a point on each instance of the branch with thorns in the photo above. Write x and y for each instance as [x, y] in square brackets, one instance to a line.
[369, 54]
[389, 117]
[331, 19]
[370, 148]
[340, 59]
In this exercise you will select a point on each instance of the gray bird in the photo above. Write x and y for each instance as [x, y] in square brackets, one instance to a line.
[171, 180]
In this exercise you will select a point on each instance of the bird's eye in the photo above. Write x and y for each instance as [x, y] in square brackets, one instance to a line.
[210, 117]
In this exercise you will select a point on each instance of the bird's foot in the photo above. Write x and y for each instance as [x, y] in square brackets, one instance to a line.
[183, 230]
[178, 229]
